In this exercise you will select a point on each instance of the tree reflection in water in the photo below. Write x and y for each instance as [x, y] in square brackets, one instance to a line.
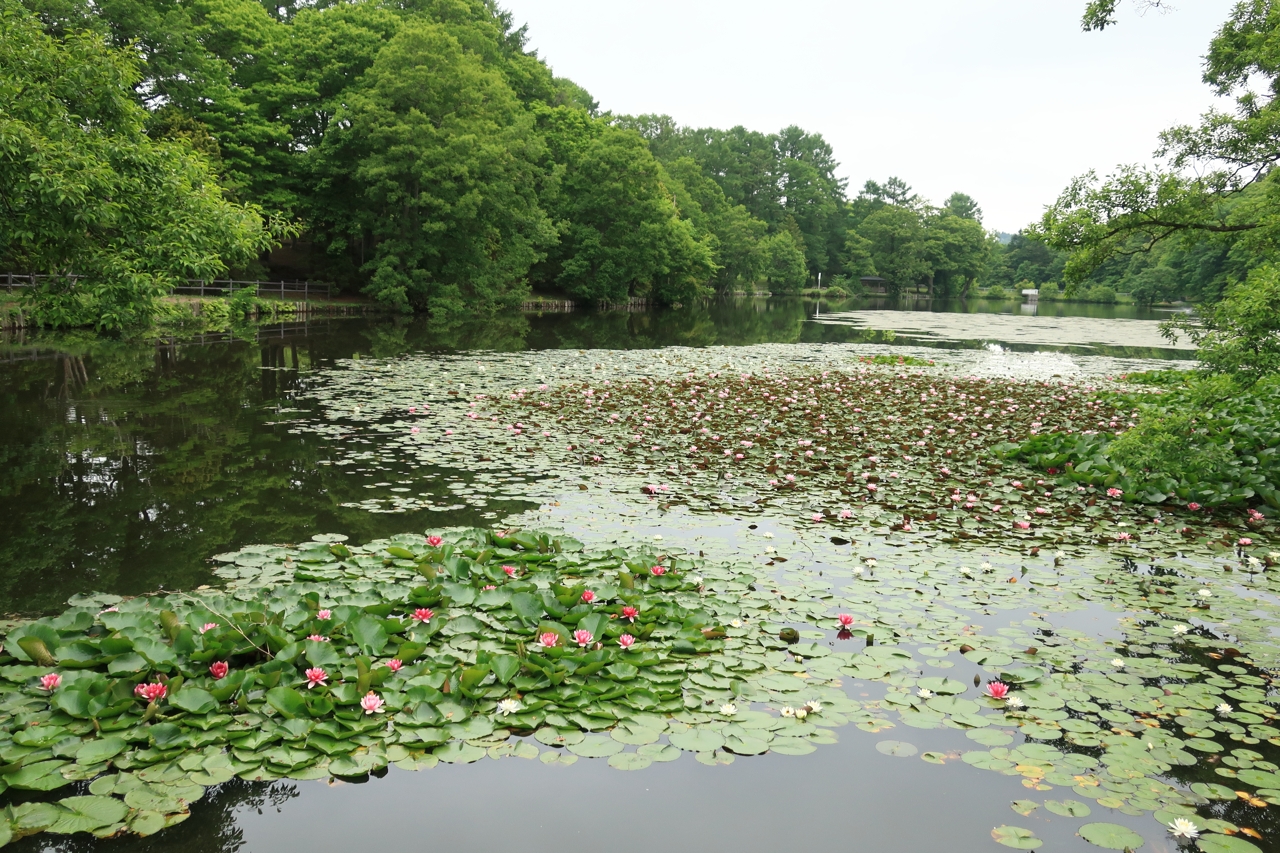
[212, 828]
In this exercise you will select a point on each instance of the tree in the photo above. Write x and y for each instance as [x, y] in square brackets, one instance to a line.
[897, 246]
[1239, 336]
[962, 205]
[622, 232]
[430, 175]
[85, 191]
[956, 249]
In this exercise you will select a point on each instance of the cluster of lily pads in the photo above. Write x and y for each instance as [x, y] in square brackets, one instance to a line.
[330, 659]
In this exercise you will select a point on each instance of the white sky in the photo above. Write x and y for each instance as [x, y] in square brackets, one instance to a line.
[1006, 100]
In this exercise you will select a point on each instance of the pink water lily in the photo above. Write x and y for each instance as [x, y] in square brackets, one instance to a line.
[658, 570]
[423, 614]
[435, 541]
[510, 570]
[50, 682]
[583, 637]
[588, 596]
[153, 692]
[317, 638]
[845, 620]
[626, 641]
[630, 613]
[395, 664]
[324, 615]
[207, 627]
[1244, 540]
[997, 690]
[372, 703]
[1113, 492]
[1193, 506]
[316, 677]
[219, 669]
[549, 639]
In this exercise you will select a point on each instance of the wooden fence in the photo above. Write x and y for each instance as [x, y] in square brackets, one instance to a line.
[200, 287]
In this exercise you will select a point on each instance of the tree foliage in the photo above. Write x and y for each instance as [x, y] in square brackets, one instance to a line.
[85, 191]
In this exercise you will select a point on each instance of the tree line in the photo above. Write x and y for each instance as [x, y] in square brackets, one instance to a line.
[416, 151]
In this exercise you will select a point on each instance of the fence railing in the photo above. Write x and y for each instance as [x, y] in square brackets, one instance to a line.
[197, 286]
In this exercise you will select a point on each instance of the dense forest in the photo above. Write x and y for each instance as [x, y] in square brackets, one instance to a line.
[417, 152]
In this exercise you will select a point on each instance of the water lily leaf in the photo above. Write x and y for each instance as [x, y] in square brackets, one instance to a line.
[1111, 836]
[287, 701]
[1024, 807]
[697, 740]
[194, 700]
[989, 737]
[146, 822]
[1225, 844]
[40, 776]
[945, 686]
[659, 752]
[152, 798]
[791, 746]
[369, 635]
[595, 746]
[321, 654]
[1016, 837]
[746, 745]
[505, 667]
[85, 814]
[99, 750]
[629, 761]
[1213, 791]
[1067, 808]
[457, 752]
[898, 748]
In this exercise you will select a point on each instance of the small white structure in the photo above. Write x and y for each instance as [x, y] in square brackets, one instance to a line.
[1031, 294]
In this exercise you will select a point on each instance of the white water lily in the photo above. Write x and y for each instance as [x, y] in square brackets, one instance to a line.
[801, 713]
[871, 561]
[1183, 828]
[986, 567]
[814, 706]
[1179, 630]
[787, 711]
[1255, 562]
[767, 535]
[1224, 709]
[729, 709]
[736, 623]
[1204, 593]
[924, 693]
[508, 706]
[857, 570]
[1117, 663]
[1014, 702]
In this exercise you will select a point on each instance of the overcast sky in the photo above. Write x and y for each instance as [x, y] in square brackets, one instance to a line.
[1006, 100]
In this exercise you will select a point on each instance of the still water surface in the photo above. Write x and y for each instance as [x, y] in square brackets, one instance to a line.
[124, 466]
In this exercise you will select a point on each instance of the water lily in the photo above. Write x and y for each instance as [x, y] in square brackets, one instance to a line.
[1014, 702]
[207, 627]
[324, 615]
[435, 541]
[508, 706]
[317, 638]
[1117, 663]
[801, 713]
[658, 570]
[630, 613]
[1204, 593]
[997, 689]
[1193, 506]
[626, 641]
[219, 669]
[422, 614]
[395, 664]
[1180, 827]
[372, 703]
[583, 637]
[50, 682]
[729, 709]
[1113, 492]
[316, 677]
[845, 620]
[153, 692]
[510, 570]
[924, 693]
[1243, 541]
[814, 706]
[588, 596]
[1224, 709]
[548, 639]
[1179, 630]
[787, 711]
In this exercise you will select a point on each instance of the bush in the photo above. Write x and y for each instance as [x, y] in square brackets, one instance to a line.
[1101, 293]
[995, 291]
[1240, 336]
[1208, 440]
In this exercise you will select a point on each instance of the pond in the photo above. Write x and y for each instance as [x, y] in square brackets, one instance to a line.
[790, 481]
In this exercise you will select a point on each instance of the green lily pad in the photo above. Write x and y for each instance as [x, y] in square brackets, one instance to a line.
[897, 748]
[1111, 836]
[1016, 837]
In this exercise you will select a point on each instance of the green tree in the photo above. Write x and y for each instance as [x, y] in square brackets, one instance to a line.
[897, 245]
[85, 191]
[957, 250]
[429, 174]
